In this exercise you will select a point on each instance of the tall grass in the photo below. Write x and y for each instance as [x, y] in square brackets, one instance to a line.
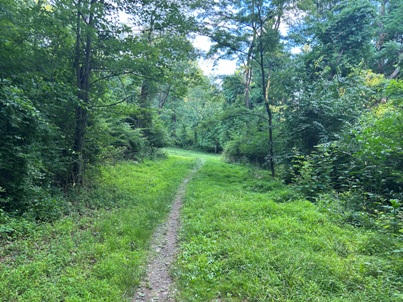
[247, 237]
[98, 255]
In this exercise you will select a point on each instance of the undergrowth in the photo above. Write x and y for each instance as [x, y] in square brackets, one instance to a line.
[247, 237]
[97, 253]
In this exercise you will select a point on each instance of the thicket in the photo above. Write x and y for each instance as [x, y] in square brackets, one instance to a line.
[320, 106]
[79, 87]
[330, 115]
[363, 167]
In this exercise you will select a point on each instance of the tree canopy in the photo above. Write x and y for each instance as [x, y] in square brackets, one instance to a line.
[316, 98]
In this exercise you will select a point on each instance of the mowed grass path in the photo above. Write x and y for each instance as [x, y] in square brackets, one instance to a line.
[247, 237]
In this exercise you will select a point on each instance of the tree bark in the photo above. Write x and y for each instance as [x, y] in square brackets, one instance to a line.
[163, 98]
[248, 71]
[382, 35]
[265, 94]
[83, 75]
[394, 73]
[248, 78]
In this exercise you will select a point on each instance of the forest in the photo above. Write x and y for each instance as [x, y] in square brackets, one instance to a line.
[90, 89]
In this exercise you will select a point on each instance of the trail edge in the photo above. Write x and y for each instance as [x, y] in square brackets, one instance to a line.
[158, 284]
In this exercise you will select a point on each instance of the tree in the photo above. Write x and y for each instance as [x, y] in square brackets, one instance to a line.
[389, 31]
[74, 71]
[249, 30]
[99, 43]
[328, 90]
[339, 38]
[35, 95]
[189, 118]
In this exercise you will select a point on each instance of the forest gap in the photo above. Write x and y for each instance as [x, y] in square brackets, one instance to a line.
[104, 102]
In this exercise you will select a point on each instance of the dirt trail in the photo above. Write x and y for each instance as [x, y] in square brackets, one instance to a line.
[158, 284]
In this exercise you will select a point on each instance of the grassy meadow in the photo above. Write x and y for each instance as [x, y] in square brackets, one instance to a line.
[247, 237]
[97, 253]
[244, 237]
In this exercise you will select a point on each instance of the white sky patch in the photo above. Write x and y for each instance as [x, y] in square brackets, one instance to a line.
[124, 18]
[296, 50]
[283, 28]
[225, 67]
[202, 42]
[212, 66]
[217, 67]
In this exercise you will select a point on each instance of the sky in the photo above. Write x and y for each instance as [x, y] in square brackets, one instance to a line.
[211, 66]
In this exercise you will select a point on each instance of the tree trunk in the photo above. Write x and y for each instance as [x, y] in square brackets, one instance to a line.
[265, 87]
[83, 74]
[163, 97]
[248, 78]
[382, 34]
[248, 67]
[395, 73]
[248, 72]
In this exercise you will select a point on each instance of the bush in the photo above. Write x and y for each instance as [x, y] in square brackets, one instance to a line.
[116, 139]
[312, 174]
[21, 164]
[364, 167]
[253, 149]
[347, 207]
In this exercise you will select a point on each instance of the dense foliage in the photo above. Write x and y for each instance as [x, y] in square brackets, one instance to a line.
[317, 96]
[77, 88]
[322, 103]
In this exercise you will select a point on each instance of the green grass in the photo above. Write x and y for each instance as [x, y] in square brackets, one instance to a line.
[247, 237]
[98, 256]
[192, 154]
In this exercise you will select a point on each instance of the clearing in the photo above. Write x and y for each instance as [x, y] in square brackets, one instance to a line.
[243, 236]
[248, 237]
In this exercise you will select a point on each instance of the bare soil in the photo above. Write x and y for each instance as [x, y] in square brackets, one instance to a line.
[158, 284]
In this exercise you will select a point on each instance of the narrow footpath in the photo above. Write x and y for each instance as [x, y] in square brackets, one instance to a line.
[158, 284]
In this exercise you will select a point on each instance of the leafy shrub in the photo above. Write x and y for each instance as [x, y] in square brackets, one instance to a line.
[312, 173]
[391, 218]
[114, 140]
[156, 135]
[33, 155]
[323, 110]
[21, 165]
[252, 149]
[364, 167]
[380, 152]
[346, 207]
[150, 127]
[129, 141]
